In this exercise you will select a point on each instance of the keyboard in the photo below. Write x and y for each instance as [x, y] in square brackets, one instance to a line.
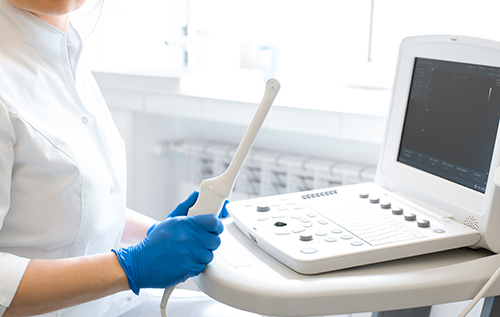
[335, 228]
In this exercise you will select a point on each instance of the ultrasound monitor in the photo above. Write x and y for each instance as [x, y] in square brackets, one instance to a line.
[451, 120]
[441, 144]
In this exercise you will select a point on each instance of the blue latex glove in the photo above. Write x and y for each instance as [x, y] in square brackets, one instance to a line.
[188, 203]
[194, 195]
[174, 250]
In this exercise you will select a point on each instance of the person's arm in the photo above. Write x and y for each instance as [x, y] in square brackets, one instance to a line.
[49, 285]
[173, 250]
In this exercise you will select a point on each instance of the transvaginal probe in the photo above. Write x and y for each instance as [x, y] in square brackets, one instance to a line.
[214, 191]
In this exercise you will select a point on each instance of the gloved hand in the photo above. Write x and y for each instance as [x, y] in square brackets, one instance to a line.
[174, 250]
[179, 210]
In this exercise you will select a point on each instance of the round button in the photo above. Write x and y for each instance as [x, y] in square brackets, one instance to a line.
[363, 195]
[308, 225]
[262, 207]
[329, 239]
[346, 237]
[397, 211]
[357, 243]
[410, 217]
[321, 233]
[439, 231]
[423, 223]
[306, 237]
[112, 190]
[280, 224]
[337, 231]
[374, 200]
[85, 120]
[309, 250]
[385, 205]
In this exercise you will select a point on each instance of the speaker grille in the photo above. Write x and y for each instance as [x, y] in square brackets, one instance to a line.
[471, 222]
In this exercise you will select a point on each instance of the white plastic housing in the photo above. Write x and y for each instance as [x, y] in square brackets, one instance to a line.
[476, 210]
[214, 191]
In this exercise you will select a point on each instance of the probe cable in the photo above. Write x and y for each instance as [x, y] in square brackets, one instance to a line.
[481, 293]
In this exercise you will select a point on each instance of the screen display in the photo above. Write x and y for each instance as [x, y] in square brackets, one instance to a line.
[451, 121]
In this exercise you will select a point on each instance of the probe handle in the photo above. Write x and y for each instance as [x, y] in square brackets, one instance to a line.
[214, 191]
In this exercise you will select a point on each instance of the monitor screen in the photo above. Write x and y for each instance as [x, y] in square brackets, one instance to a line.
[451, 121]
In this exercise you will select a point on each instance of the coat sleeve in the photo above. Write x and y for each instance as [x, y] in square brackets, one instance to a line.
[12, 267]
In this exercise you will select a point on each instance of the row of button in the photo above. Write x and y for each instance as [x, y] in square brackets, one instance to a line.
[315, 195]
[421, 223]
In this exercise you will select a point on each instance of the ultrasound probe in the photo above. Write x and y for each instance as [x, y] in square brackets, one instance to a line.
[214, 191]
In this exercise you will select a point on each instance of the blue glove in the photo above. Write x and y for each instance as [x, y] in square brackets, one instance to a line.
[174, 250]
[179, 211]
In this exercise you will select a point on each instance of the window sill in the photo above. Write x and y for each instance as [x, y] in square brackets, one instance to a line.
[339, 112]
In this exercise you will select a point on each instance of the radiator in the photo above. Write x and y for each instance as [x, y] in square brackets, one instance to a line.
[265, 172]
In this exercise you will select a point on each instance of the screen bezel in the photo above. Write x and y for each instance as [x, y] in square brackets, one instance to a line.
[412, 181]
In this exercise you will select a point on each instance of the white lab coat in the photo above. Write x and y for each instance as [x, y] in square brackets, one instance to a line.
[62, 161]
[62, 168]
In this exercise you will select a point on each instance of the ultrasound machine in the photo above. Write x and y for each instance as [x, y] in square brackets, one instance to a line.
[437, 185]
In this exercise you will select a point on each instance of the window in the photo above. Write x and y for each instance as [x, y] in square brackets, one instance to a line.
[325, 47]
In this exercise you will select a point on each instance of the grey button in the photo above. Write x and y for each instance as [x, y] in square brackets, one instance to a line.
[309, 250]
[397, 211]
[439, 231]
[385, 205]
[280, 224]
[306, 237]
[346, 237]
[357, 243]
[321, 233]
[329, 239]
[337, 231]
[85, 120]
[322, 222]
[363, 195]
[374, 200]
[423, 223]
[410, 217]
[308, 225]
[262, 207]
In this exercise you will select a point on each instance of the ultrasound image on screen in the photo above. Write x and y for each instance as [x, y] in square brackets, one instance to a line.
[452, 120]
